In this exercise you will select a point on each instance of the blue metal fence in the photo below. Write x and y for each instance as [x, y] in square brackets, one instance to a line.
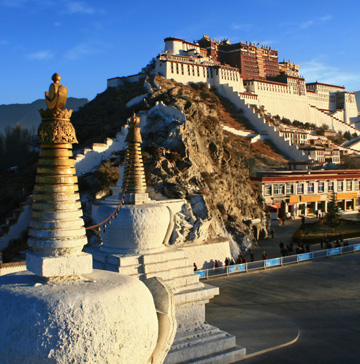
[276, 262]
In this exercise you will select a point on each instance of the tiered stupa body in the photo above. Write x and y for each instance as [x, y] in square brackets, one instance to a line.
[135, 243]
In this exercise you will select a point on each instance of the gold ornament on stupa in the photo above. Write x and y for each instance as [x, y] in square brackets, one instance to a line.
[56, 126]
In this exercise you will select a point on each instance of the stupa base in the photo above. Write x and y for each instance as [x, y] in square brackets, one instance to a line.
[59, 266]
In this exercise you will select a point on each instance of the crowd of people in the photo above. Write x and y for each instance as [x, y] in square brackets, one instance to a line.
[289, 248]
[285, 250]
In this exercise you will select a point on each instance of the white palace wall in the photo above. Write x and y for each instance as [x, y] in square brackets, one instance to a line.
[262, 126]
[293, 107]
[198, 72]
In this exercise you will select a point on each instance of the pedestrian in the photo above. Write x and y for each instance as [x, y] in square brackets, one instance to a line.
[216, 264]
[264, 255]
[272, 233]
[291, 248]
[252, 258]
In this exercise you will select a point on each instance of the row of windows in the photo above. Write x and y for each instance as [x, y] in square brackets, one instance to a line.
[289, 188]
[193, 70]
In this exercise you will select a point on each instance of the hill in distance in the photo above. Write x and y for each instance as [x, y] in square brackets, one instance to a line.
[28, 116]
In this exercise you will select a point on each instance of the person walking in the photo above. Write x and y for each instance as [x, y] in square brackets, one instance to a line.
[272, 233]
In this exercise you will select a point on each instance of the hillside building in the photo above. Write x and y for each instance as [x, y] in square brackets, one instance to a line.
[250, 74]
[255, 70]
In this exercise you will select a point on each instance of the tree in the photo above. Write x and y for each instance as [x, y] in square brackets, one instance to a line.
[14, 147]
[332, 215]
[347, 135]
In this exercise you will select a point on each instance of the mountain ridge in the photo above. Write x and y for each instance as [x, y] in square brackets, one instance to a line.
[27, 115]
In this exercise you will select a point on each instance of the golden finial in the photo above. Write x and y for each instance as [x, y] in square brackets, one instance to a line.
[56, 78]
[57, 95]
[134, 121]
[56, 126]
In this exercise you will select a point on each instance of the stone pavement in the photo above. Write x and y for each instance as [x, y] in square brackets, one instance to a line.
[310, 310]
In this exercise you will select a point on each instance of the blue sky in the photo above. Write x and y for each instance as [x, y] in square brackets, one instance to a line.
[87, 42]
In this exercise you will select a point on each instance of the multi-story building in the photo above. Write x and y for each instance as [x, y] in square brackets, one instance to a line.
[295, 193]
[294, 136]
[251, 60]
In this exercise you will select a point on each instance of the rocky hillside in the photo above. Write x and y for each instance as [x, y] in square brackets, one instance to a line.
[187, 153]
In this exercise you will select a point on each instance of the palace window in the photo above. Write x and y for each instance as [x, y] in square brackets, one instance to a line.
[300, 188]
[172, 67]
[321, 187]
[279, 189]
[267, 190]
[357, 185]
[331, 186]
[289, 189]
[311, 187]
[348, 185]
[177, 68]
[340, 186]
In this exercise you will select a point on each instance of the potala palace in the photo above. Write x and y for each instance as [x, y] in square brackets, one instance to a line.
[252, 77]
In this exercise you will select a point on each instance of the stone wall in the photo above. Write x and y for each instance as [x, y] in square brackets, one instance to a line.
[204, 255]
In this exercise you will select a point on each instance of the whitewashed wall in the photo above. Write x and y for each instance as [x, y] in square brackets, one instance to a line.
[262, 126]
[204, 255]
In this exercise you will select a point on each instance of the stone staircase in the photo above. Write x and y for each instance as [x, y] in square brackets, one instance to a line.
[209, 337]
[262, 126]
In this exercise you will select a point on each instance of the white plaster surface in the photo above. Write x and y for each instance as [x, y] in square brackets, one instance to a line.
[105, 318]
[137, 229]
[136, 100]
[59, 266]
[204, 255]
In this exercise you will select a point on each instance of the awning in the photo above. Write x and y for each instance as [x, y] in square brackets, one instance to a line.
[346, 195]
[294, 199]
[310, 198]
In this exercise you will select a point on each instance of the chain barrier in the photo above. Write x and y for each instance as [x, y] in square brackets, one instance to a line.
[115, 212]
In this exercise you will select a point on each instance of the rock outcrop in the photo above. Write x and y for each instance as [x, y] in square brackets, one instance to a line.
[189, 156]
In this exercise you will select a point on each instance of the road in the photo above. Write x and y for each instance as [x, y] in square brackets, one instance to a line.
[319, 300]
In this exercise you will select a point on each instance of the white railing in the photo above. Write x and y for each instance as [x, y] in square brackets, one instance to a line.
[276, 262]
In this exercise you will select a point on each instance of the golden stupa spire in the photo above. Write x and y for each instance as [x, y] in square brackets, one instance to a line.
[134, 174]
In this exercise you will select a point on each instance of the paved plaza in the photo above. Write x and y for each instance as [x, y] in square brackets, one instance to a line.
[313, 308]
